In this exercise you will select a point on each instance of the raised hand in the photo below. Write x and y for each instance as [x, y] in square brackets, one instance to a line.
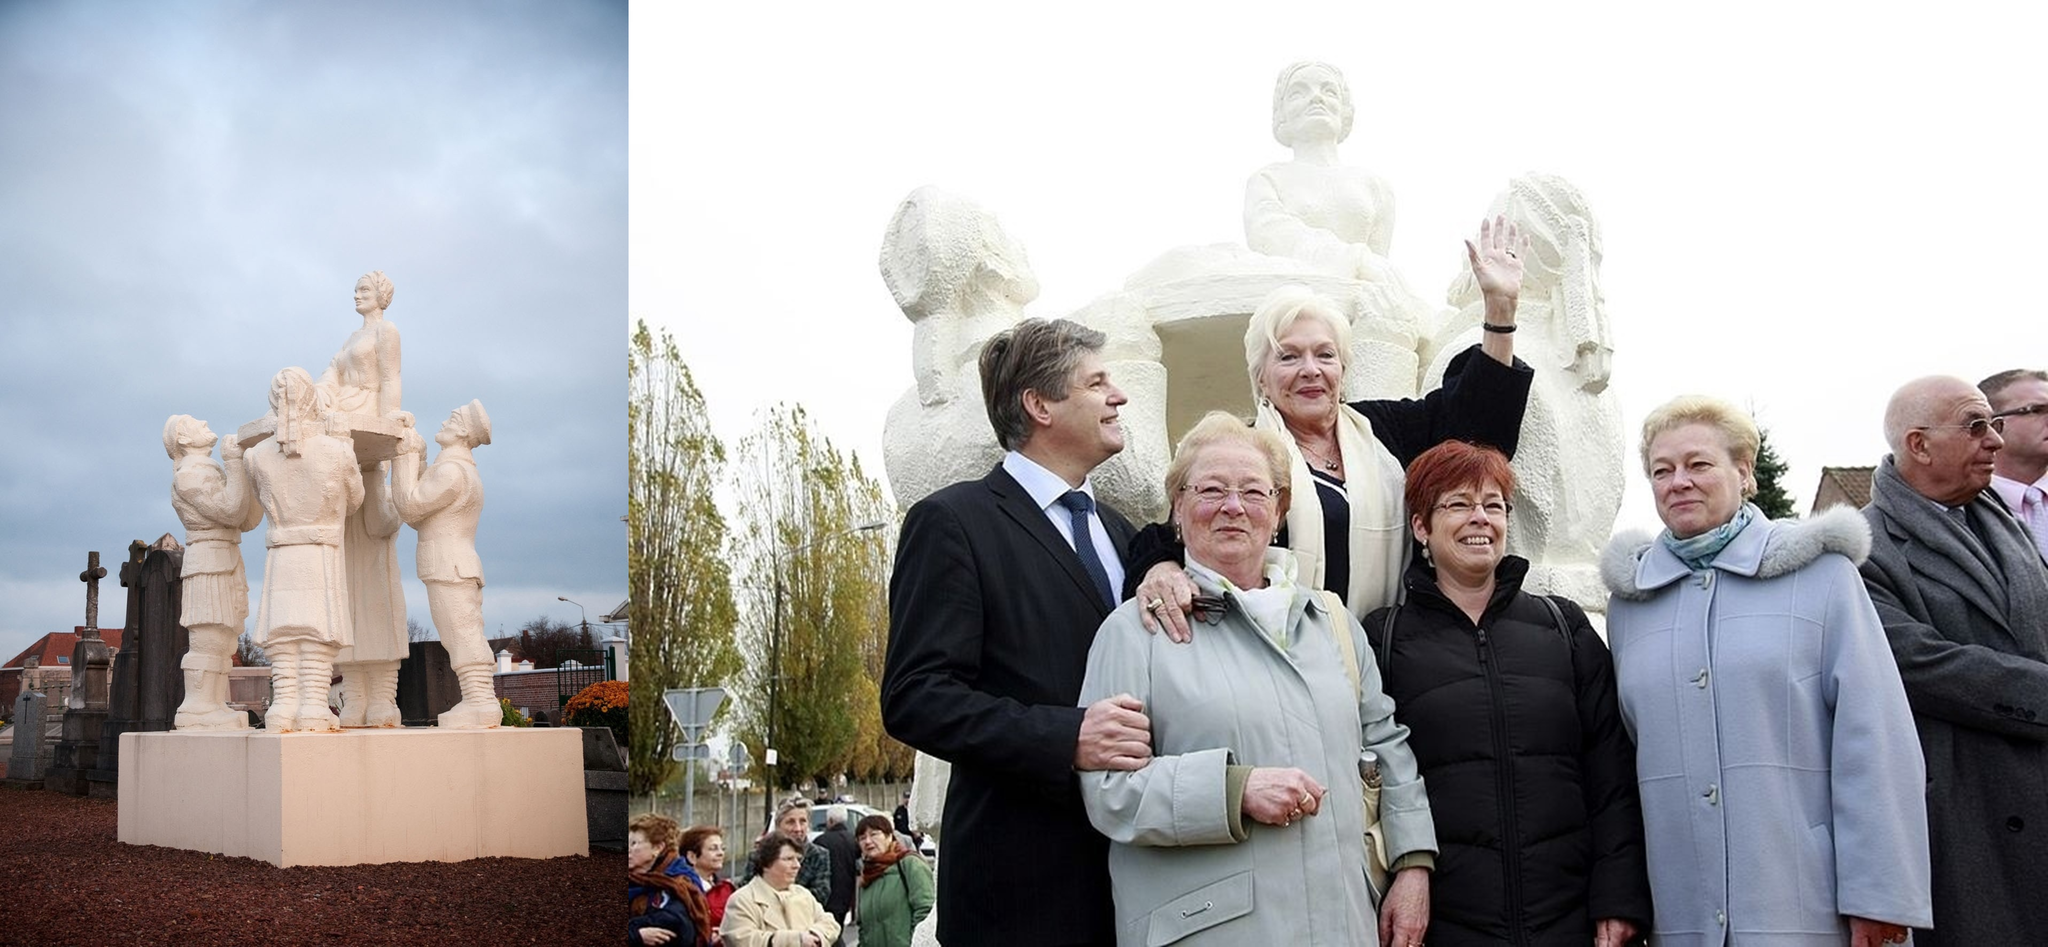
[1497, 258]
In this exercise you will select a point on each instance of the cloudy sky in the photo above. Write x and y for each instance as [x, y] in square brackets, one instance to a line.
[188, 192]
[1803, 205]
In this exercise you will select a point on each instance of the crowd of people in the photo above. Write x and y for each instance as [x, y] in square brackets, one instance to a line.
[1317, 705]
[793, 891]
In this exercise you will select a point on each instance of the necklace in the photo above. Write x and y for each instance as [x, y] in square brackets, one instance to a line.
[1328, 464]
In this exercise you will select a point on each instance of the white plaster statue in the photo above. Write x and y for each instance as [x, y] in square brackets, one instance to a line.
[217, 507]
[960, 279]
[308, 483]
[443, 504]
[363, 379]
[1569, 468]
[1338, 219]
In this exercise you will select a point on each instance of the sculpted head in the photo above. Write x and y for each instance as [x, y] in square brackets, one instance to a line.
[467, 425]
[1700, 456]
[185, 434]
[1295, 349]
[1311, 97]
[373, 292]
[944, 253]
[1944, 438]
[294, 396]
[1043, 381]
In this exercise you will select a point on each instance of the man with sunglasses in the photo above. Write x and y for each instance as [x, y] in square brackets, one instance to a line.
[1963, 595]
[2020, 471]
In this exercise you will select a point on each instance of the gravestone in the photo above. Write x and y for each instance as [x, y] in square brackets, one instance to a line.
[77, 753]
[427, 685]
[30, 754]
[604, 789]
[147, 682]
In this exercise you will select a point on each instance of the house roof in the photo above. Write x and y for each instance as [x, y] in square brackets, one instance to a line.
[59, 644]
[1852, 484]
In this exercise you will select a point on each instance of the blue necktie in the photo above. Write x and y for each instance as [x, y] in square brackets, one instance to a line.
[1079, 504]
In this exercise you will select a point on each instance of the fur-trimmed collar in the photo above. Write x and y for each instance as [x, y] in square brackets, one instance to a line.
[1635, 565]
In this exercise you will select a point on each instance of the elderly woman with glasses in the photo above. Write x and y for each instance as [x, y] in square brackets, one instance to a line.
[1247, 825]
[1509, 700]
[1346, 526]
[1782, 785]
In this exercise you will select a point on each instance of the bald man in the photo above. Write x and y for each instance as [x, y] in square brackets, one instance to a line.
[2020, 477]
[1963, 595]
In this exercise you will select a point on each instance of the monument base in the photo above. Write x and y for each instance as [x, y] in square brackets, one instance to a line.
[357, 796]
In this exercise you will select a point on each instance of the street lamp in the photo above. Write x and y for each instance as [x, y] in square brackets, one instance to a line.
[579, 611]
[775, 657]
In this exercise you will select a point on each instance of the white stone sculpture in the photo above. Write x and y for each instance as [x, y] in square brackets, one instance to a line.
[363, 380]
[217, 507]
[1569, 472]
[308, 483]
[443, 504]
[959, 278]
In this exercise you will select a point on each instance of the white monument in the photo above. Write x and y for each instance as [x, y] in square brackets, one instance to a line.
[1175, 340]
[303, 790]
[217, 506]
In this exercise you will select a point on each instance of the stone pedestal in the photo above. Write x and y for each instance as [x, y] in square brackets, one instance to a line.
[357, 796]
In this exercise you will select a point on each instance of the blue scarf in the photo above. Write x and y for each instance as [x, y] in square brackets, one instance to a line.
[1698, 552]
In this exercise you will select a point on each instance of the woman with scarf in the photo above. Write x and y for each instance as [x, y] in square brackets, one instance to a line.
[1346, 525]
[1781, 777]
[703, 851]
[896, 889]
[663, 908]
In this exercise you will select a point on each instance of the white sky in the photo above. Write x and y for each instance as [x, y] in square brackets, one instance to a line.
[1803, 205]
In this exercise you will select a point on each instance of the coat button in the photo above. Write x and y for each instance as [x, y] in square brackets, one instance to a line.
[1700, 680]
[2015, 824]
[1721, 917]
[1713, 794]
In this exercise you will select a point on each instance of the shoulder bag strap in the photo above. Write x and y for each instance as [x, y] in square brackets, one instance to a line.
[1340, 635]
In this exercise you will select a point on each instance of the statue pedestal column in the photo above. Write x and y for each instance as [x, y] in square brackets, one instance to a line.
[356, 797]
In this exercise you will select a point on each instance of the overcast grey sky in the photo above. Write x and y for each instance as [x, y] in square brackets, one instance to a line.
[188, 192]
[1803, 204]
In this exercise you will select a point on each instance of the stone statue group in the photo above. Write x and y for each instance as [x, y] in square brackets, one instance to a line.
[336, 467]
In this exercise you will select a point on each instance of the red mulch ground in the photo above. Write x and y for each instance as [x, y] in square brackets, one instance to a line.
[65, 881]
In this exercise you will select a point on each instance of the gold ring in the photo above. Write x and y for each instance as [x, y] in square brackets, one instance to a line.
[1153, 605]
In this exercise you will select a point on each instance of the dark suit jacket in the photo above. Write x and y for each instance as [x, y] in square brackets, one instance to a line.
[1972, 649]
[990, 619]
[845, 854]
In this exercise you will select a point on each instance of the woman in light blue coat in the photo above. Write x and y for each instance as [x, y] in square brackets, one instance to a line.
[1247, 825]
[1782, 783]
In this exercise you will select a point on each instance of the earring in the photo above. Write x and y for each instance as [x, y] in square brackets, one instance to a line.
[1265, 402]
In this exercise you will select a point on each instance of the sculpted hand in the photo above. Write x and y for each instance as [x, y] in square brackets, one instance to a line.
[1115, 734]
[1497, 258]
[656, 936]
[1278, 795]
[1404, 913]
[1864, 932]
[230, 448]
[1167, 584]
[409, 442]
[1613, 932]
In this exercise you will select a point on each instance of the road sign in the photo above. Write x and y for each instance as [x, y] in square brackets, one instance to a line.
[737, 756]
[691, 751]
[692, 707]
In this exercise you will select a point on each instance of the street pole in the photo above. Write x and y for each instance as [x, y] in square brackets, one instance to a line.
[774, 676]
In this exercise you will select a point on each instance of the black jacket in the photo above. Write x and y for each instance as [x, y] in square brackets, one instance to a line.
[845, 854]
[1531, 777]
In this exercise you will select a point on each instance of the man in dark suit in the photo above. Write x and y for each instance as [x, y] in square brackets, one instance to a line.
[2020, 474]
[837, 841]
[1963, 596]
[998, 588]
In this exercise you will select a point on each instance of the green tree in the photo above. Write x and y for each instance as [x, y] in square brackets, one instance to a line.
[808, 562]
[682, 614]
[1771, 496]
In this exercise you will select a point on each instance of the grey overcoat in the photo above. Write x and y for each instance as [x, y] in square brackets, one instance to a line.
[1183, 870]
[1968, 623]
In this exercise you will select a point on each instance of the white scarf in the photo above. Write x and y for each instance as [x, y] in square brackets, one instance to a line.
[1379, 517]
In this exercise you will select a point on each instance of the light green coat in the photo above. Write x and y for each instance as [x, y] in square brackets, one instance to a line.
[896, 903]
[1186, 870]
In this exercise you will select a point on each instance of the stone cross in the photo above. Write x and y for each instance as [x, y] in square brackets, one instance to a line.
[91, 577]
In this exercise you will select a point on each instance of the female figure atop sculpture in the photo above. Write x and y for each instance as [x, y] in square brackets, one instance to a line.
[217, 507]
[1338, 219]
[363, 379]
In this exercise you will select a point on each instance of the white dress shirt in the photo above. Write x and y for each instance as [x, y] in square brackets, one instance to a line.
[1046, 488]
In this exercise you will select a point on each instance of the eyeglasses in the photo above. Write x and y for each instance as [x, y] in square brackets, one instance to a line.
[1976, 428]
[1209, 609]
[1494, 509]
[1213, 495]
[2022, 411]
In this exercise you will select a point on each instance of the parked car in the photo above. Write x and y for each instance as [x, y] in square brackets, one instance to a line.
[856, 812]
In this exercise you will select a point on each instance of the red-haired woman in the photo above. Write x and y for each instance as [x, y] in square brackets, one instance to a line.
[1510, 704]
